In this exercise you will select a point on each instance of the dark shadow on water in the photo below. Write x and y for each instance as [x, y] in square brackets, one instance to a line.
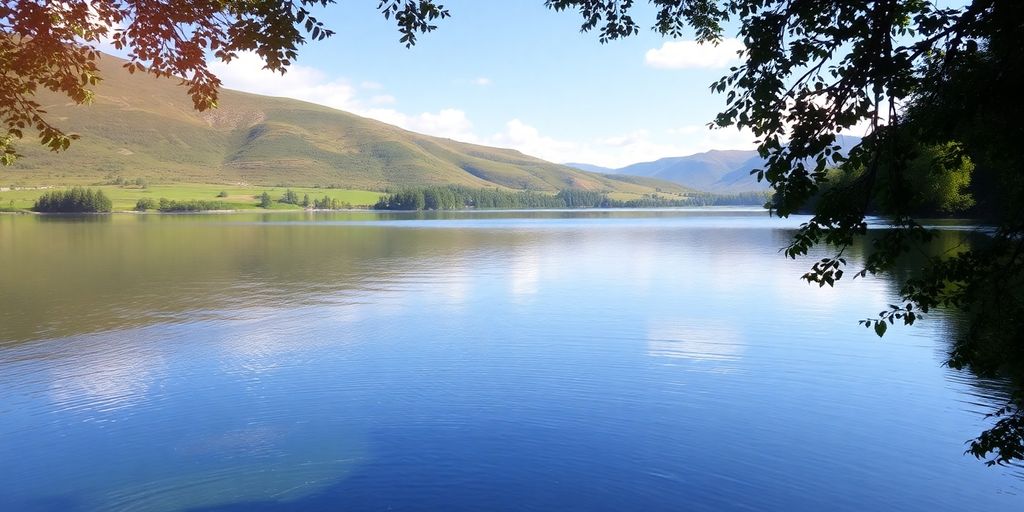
[76, 218]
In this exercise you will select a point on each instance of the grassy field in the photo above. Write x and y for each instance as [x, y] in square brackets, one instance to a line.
[238, 198]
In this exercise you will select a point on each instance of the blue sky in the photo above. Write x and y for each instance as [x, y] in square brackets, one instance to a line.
[513, 74]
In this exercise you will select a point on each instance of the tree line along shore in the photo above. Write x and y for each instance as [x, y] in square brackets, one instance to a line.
[191, 199]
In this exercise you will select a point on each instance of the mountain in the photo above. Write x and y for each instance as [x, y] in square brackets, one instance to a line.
[719, 171]
[591, 168]
[703, 170]
[142, 126]
[712, 171]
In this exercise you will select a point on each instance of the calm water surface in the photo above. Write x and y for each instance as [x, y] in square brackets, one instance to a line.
[631, 360]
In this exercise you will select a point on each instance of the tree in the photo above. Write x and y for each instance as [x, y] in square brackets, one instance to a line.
[50, 45]
[265, 201]
[290, 197]
[74, 200]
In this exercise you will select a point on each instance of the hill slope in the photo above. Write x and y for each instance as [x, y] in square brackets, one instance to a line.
[142, 126]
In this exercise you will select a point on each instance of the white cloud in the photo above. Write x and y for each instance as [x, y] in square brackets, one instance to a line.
[626, 140]
[482, 81]
[300, 82]
[309, 84]
[690, 54]
[451, 123]
[383, 99]
[527, 139]
[699, 138]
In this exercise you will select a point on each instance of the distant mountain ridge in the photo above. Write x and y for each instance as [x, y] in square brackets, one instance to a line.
[718, 171]
[591, 168]
[140, 126]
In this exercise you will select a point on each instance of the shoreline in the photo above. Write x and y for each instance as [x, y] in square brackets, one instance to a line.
[204, 212]
[371, 210]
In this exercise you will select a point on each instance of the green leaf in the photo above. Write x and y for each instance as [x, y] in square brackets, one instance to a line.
[880, 328]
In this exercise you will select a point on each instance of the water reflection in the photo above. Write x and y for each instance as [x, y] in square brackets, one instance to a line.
[533, 360]
[104, 380]
[695, 339]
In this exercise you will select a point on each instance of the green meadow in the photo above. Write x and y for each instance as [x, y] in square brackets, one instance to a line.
[238, 197]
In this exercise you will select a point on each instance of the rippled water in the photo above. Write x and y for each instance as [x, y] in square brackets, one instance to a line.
[628, 360]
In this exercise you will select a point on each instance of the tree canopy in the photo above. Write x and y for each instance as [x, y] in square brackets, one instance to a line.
[939, 88]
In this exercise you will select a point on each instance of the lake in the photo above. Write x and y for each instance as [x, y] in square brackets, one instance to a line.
[586, 360]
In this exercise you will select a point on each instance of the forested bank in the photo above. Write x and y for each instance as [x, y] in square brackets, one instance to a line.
[456, 198]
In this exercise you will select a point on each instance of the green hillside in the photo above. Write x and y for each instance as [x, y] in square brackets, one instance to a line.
[140, 126]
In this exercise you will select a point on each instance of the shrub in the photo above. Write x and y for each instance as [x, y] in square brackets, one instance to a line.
[194, 205]
[146, 203]
[329, 203]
